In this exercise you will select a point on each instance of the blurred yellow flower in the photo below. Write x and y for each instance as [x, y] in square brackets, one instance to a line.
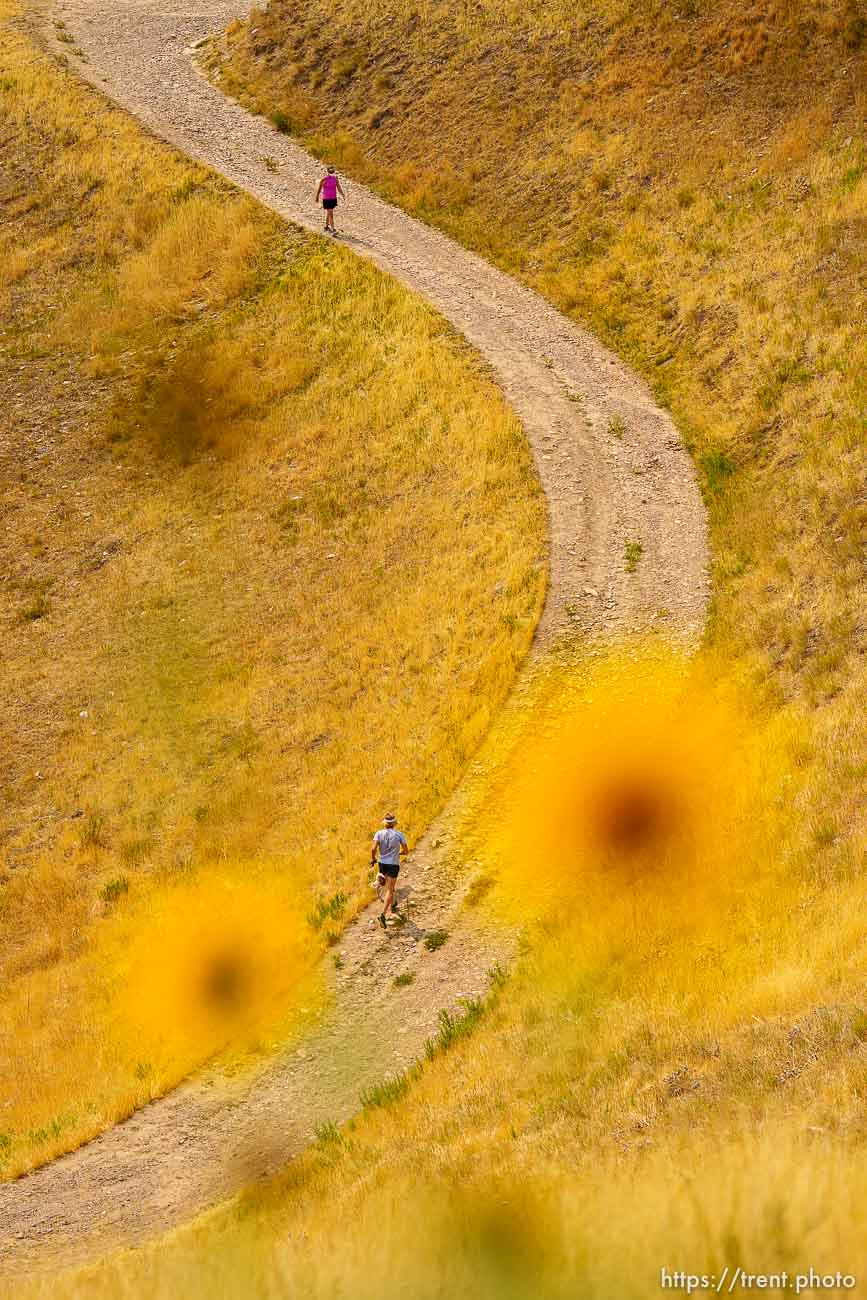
[209, 963]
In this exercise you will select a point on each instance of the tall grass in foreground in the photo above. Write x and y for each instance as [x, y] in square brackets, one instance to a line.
[274, 549]
[672, 1077]
[602, 1229]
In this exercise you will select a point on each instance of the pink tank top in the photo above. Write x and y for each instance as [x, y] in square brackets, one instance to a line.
[329, 187]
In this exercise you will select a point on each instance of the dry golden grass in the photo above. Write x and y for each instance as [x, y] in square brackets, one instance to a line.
[690, 181]
[659, 1083]
[691, 1084]
[687, 179]
[273, 549]
[669, 1079]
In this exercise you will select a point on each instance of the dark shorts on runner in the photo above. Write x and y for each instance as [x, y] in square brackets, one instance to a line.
[329, 203]
[389, 869]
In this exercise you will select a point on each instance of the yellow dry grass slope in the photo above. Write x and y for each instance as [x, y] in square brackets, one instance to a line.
[273, 548]
[674, 1077]
[688, 179]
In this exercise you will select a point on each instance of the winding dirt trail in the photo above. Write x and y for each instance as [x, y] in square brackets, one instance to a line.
[216, 1134]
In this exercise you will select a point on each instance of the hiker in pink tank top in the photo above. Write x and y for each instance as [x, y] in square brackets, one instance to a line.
[329, 188]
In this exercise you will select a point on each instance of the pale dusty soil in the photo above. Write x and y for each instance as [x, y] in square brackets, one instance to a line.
[215, 1134]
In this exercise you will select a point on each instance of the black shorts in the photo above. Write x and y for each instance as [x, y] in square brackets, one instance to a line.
[389, 869]
[329, 203]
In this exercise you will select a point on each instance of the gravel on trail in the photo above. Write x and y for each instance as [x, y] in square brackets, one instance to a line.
[614, 471]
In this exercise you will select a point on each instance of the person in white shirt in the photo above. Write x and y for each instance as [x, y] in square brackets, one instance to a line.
[389, 845]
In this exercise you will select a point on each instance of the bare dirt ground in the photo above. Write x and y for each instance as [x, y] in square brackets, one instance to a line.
[217, 1134]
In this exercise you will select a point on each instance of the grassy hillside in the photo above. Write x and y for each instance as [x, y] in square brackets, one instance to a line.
[263, 574]
[688, 179]
[674, 1075]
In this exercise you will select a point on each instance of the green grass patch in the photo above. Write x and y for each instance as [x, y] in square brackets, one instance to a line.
[632, 553]
[330, 909]
[435, 939]
[453, 1028]
[387, 1092]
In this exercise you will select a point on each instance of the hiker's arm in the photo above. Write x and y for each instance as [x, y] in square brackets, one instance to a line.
[340, 190]
[374, 846]
[404, 847]
[318, 191]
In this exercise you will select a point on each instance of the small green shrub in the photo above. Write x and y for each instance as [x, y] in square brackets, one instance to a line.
[188, 186]
[93, 832]
[136, 850]
[435, 939]
[38, 605]
[327, 910]
[114, 890]
[481, 886]
[387, 1092]
[791, 370]
[47, 1132]
[403, 979]
[328, 1134]
[453, 1028]
[851, 177]
[329, 506]
[717, 469]
[286, 517]
[632, 553]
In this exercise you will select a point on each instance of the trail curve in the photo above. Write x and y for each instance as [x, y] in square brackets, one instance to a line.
[214, 1135]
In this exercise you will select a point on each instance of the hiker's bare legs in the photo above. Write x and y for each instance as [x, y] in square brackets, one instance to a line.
[390, 886]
